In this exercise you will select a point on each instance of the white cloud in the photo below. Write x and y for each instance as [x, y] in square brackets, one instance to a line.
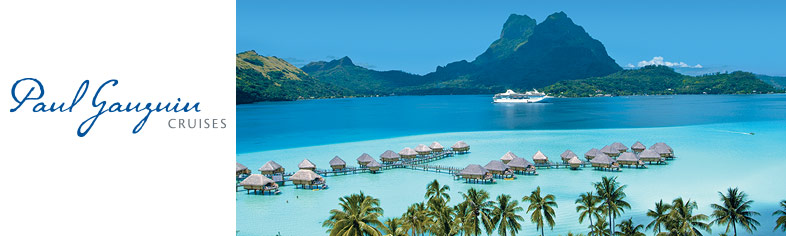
[660, 62]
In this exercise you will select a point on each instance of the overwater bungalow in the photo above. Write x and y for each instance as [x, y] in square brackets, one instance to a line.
[307, 178]
[604, 162]
[540, 159]
[610, 151]
[337, 164]
[650, 156]
[241, 170]
[306, 165]
[666, 147]
[460, 147]
[521, 165]
[567, 155]
[436, 147]
[575, 163]
[475, 173]
[662, 151]
[261, 183]
[271, 168]
[407, 153]
[638, 147]
[498, 168]
[422, 150]
[630, 159]
[620, 147]
[374, 166]
[389, 156]
[364, 159]
[509, 156]
[592, 153]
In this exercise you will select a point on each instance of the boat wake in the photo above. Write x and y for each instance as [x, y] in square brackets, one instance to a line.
[735, 132]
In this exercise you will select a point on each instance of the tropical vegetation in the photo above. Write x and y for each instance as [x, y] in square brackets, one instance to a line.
[477, 213]
[660, 80]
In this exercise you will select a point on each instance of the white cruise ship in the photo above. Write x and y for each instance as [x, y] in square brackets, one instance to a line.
[514, 97]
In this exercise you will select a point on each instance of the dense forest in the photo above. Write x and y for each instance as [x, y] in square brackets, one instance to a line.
[659, 80]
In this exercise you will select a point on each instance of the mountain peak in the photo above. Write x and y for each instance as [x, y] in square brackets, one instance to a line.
[558, 15]
[517, 26]
[515, 32]
[249, 53]
[345, 61]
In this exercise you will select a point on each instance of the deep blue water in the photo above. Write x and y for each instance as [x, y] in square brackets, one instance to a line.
[278, 125]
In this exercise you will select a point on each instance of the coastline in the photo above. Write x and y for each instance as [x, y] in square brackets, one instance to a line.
[686, 176]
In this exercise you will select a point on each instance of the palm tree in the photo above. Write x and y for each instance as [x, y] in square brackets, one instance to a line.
[588, 207]
[781, 221]
[682, 221]
[599, 228]
[393, 227]
[659, 215]
[628, 229]
[463, 211]
[612, 194]
[479, 210]
[505, 217]
[358, 216]
[434, 190]
[415, 219]
[541, 207]
[735, 209]
[443, 218]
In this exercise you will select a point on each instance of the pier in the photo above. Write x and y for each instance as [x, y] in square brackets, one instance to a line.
[510, 165]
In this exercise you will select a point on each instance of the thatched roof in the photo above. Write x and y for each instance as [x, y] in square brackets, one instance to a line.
[660, 149]
[306, 164]
[336, 161]
[649, 153]
[240, 167]
[539, 156]
[619, 146]
[365, 158]
[256, 180]
[627, 156]
[422, 148]
[574, 161]
[473, 169]
[608, 149]
[662, 144]
[389, 154]
[638, 146]
[270, 166]
[567, 155]
[374, 163]
[519, 163]
[509, 156]
[496, 166]
[435, 145]
[602, 159]
[305, 175]
[407, 152]
[460, 144]
[592, 152]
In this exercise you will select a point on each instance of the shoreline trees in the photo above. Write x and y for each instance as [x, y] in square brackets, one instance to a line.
[477, 214]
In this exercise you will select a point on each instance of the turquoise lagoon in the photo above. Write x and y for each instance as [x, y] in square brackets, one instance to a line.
[708, 134]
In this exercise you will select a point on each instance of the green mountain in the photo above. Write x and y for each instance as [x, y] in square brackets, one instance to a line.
[345, 74]
[655, 80]
[260, 78]
[527, 55]
[778, 82]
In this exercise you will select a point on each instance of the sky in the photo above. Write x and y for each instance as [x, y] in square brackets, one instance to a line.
[418, 36]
